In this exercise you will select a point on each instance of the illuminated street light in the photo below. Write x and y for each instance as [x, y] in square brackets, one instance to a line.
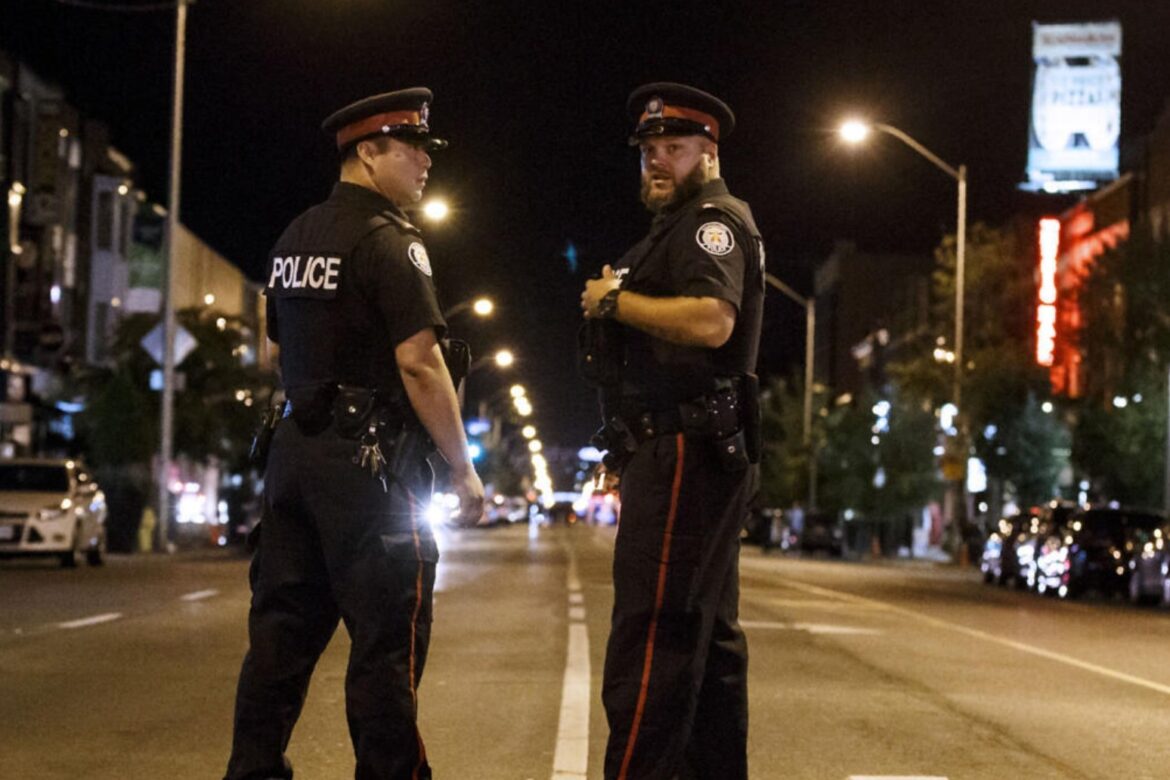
[528, 431]
[436, 209]
[481, 307]
[503, 358]
[855, 131]
[518, 391]
[535, 446]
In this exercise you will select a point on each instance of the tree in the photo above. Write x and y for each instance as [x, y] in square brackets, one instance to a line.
[1121, 423]
[1001, 381]
[783, 458]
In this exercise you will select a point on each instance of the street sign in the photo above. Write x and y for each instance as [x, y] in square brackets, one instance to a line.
[153, 343]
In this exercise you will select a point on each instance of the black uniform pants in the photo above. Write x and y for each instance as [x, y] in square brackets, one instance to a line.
[335, 546]
[675, 686]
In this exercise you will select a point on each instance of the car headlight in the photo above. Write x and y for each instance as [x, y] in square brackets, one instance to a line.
[50, 514]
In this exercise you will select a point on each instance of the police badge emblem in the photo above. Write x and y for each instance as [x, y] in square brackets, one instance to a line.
[418, 256]
[654, 108]
[715, 238]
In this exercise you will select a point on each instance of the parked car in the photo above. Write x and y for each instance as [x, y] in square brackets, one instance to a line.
[1149, 566]
[1042, 539]
[1095, 551]
[822, 532]
[51, 508]
[1000, 562]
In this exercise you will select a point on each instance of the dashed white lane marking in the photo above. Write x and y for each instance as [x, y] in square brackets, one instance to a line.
[199, 595]
[1068, 660]
[571, 759]
[90, 621]
[812, 628]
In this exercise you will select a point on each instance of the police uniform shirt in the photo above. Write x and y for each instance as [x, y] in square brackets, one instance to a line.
[698, 249]
[348, 281]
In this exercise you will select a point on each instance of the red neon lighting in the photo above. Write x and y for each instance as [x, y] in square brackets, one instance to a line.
[1046, 305]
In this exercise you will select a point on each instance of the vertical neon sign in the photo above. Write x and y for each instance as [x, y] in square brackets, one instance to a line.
[1046, 305]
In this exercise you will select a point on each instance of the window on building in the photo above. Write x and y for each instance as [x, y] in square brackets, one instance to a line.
[104, 227]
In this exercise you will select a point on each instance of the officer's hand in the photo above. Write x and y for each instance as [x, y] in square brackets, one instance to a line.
[466, 484]
[595, 290]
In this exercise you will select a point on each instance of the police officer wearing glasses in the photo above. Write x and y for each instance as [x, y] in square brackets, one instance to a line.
[671, 338]
[352, 305]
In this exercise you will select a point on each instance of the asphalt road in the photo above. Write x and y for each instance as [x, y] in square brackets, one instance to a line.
[908, 671]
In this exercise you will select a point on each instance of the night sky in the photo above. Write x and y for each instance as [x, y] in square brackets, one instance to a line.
[532, 95]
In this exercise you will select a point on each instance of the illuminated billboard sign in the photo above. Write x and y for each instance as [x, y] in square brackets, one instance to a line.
[1076, 106]
[1046, 303]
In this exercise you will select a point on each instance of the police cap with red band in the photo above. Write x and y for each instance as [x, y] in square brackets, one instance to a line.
[666, 108]
[402, 115]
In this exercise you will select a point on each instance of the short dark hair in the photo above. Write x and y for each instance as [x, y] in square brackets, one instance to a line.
[350, 151]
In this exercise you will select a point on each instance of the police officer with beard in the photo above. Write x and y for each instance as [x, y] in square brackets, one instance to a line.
[672, 337]
[352, 305]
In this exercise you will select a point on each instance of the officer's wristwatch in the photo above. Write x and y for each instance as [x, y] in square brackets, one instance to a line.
[607, 306]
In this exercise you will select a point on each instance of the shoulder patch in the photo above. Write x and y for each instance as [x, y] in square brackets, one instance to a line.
[715, 238]
[418, 256]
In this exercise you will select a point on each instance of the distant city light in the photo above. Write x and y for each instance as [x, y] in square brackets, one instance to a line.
[1046, 407]
[528, 431]
[483, 307]
[505, 358]
[209, 299]
[518, 391]
[1120, 401]
[535, 446]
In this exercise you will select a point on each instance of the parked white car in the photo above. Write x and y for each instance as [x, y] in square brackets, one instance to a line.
[51, 508]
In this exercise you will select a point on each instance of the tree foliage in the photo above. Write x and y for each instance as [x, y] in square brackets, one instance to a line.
[215, 412]
[1125, 343]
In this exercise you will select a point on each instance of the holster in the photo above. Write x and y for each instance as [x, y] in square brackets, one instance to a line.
[352, 408]
[619, 443]
[262, 440]
[457, 356]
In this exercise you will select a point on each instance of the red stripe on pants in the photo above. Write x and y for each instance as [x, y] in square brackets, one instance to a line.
[663, 566]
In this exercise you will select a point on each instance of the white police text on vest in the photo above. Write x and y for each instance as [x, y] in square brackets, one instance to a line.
[314, 272]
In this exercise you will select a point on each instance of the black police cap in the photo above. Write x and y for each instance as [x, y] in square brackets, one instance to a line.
[403, 114]
[666, 108]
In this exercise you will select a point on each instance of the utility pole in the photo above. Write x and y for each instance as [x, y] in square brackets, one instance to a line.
[167, 418]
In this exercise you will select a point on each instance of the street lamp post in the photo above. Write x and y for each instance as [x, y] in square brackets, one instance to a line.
[855, 131]
[167, 421]
[810, 310]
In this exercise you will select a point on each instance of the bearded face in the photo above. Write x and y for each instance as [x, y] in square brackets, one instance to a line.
[674, 168]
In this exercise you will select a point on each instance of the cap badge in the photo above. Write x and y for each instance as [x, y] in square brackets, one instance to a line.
[418, 256]
[424, 114]
[654, 108]
[715, 239]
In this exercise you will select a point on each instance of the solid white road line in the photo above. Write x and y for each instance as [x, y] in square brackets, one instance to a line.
[1068, 660]
[571, 759]
[90, 621]
[812, 628]
[199, 595]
